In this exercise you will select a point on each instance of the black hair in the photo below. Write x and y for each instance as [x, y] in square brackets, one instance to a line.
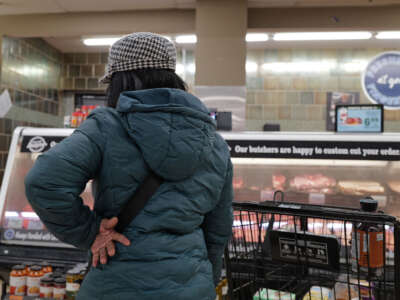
[142, 79]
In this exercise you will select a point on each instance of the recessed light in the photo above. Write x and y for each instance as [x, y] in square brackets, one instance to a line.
[100, 41]
[257, 37]
[186, 39]
[322, 36]
[388, 35]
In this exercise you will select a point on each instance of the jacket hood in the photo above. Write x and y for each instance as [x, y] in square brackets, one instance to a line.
[171, 127]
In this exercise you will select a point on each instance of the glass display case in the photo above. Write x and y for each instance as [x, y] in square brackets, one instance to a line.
[317, 168]
[24, 238]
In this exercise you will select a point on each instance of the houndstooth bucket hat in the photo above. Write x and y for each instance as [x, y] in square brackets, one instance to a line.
[141, 50]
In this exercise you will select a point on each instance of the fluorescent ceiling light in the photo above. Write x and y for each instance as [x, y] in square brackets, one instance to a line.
[256, 37]
[186, 39]
[388, 35]
[321, 36]
[100, 41]
[108, 41]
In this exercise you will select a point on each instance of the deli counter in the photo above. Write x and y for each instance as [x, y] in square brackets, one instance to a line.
[318, 168]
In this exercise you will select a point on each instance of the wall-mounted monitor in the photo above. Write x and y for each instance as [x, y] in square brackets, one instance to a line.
[359, 118]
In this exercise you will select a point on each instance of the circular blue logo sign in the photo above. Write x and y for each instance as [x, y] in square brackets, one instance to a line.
[381, 80]
[9, 234]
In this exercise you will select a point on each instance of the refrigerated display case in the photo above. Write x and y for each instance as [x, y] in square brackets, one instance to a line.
[24, 238]
[330, 171]
[318, 168]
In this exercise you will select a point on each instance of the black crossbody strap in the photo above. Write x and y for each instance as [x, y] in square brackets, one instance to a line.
[134, 205]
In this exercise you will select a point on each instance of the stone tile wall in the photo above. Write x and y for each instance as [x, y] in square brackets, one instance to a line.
[296, 98]
[82, 71]
[30, 70]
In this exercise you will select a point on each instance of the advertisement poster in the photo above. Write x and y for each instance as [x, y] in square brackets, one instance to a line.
[338, 98]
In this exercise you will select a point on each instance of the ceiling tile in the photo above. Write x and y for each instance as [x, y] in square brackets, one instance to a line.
[12, 7]
[16, 7]
[115, 5]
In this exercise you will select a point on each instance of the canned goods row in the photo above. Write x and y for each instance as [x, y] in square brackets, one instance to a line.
[40, 280]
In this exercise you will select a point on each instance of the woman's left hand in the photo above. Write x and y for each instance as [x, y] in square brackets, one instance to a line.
[103, 246]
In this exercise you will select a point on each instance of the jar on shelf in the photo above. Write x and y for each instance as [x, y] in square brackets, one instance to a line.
[33, 280]
[82, 275]
[73, 284]
[46, 287]
[47, 268]
[18, 280]
[28, 267]
[59, 286]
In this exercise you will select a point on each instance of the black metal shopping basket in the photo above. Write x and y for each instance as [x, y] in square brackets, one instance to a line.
[289, 251]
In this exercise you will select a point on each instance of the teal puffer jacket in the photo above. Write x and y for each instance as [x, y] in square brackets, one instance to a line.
[177, 240]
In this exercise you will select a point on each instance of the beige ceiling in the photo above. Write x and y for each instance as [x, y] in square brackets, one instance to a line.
[130, 15]
[13, 7]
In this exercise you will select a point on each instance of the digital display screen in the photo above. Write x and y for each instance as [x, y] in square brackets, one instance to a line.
[359, 118]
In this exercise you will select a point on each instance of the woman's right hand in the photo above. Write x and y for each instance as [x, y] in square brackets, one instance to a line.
[103, 246]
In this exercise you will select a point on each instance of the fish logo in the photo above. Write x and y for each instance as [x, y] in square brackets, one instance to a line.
[37, 144]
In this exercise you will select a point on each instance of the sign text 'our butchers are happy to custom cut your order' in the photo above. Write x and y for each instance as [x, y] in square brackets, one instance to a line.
[315, 149]
[381, 80]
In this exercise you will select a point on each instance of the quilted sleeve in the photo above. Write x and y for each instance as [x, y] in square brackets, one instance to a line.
[57, 179]
[217, 226]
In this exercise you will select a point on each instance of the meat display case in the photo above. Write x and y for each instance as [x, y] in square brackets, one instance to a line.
[318, 168]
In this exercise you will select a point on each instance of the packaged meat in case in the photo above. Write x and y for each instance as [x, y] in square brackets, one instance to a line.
[278, 182]
[360, 188]
[313, 183]
[394, 186]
